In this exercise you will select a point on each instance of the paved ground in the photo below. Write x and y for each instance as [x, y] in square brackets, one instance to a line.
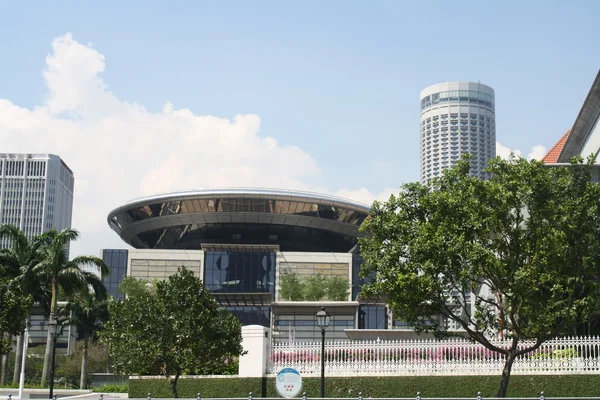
[60, 393]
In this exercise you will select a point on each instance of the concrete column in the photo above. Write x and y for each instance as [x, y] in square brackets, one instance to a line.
[255, 341]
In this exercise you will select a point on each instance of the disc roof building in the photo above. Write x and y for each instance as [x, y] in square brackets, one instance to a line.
[290, 220]
[271, 257]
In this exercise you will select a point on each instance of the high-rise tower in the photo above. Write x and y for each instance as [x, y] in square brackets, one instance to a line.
[456, 118]
[36, 193]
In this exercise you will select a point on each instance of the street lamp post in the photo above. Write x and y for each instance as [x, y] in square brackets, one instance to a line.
[323, 323]
[53, 326]
[24, 357]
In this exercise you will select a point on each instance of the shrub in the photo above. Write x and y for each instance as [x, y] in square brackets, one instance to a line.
[337, 288]
[291, 287]
[315, 287]
[373, 386]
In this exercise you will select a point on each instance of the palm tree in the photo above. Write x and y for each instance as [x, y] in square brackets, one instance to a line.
[18, 263]
[69, 275]
[87, 312]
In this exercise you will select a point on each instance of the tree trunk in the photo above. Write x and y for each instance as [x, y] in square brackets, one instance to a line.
[19, 349]
[4, 362]
[510, 359]
[84, 358]
[18, 358]
[173, 383]
[49, 338]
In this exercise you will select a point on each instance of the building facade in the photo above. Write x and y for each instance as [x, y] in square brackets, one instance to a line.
[271, 257]
[456, 118]
[36, 193]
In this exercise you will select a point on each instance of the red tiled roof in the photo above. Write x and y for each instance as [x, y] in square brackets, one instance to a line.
[555, 151]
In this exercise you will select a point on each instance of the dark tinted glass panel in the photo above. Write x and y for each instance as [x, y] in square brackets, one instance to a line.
[239, 272]
[252, 315]
[372, 317]
[289, 238]
[116, 260]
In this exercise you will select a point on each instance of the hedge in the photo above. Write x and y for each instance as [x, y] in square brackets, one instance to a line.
[389, 386]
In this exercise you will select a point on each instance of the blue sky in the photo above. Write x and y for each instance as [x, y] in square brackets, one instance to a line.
[339, 80]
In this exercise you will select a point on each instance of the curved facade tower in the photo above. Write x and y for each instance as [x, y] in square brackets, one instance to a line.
[456, 118]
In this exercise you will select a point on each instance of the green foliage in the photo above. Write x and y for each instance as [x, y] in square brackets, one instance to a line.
[315, 287]
[134, 287]
[58, 271]
[526, 243]
[14, 308]
[291, 286]
[312, 288]
[87, 313]
[337, 288]
[378, 387]
[18, 266]
[567, 353]
[179, 330]
[68, 367]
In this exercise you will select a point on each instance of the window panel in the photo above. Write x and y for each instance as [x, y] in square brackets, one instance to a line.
[239, 272]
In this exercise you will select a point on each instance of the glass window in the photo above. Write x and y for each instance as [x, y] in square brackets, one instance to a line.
[239, 272]
[372, 317]
[302, 327]
[252, 315]
[116, 260]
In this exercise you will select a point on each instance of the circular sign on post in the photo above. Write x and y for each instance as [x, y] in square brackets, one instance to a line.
[288, 382]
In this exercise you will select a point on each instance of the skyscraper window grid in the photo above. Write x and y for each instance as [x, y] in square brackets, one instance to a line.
[36, 193]
[456, 118]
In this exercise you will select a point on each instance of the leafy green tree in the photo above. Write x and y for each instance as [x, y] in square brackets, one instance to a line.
[179, 330]
[68, 367]
[70, 275]
[134, 287]
[18, 262]
[14, 309]
[87, 312]
[522, 247]
[315, 287]
[291, 287]
[337, 288]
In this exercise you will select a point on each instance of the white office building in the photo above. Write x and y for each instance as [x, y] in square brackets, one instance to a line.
[36, 193]
[456, 118]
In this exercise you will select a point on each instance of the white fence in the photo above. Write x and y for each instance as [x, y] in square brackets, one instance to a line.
[569, 355]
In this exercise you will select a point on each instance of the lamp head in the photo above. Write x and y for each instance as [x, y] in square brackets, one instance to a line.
[322, 318]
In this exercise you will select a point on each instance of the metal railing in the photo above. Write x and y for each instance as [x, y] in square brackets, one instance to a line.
[568, 355]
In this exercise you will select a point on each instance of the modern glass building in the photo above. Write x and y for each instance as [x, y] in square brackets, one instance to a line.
[271, 257]
[116, 260]
[36, 193]
[456, 118]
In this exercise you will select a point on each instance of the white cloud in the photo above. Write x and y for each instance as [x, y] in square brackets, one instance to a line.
[364, 196]
[119, 150]
[537, 152]
[505, 152]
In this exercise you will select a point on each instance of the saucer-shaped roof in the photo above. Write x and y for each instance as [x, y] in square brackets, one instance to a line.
[290, 220]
